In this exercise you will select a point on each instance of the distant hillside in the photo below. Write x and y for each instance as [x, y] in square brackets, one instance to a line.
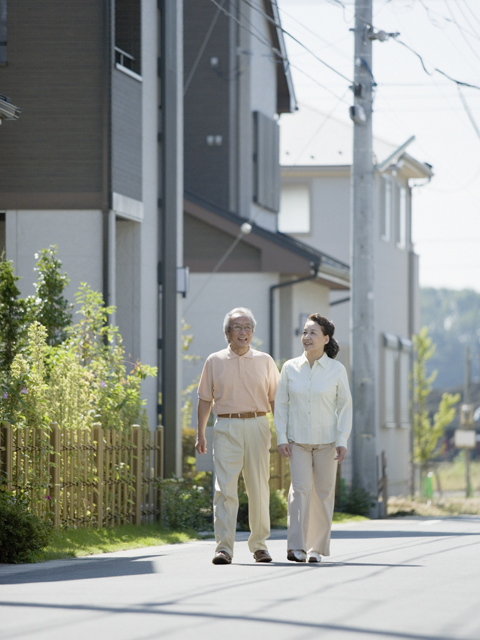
[453, 320]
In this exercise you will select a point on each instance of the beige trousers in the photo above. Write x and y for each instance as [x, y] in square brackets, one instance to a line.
[241, 445]
[311, 497]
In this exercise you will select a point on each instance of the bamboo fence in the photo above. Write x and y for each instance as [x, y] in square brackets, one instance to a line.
[83, 478]
[98, 478]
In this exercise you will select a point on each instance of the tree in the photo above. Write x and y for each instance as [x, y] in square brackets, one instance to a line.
[13, 315]
[49, 306]
[453, 320]
[425, 432]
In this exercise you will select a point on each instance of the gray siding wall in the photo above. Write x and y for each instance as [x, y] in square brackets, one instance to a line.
[126, 135]
[207, 106]
[52, 156]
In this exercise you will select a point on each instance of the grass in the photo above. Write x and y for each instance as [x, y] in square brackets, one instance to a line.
[338, 518]
[452, 474]
[73, 543]
[401, 506]
[343, 518]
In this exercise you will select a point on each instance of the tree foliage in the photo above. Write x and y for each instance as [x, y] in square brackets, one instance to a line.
[49, 306]
[453, 321]
[13, 315]
[427, 432]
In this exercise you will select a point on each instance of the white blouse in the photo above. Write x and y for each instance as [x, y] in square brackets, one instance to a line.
[313, 405]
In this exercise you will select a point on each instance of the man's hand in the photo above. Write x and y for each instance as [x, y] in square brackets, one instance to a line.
[201, 444]
[341, 451]
[203, 411]
[284, 450]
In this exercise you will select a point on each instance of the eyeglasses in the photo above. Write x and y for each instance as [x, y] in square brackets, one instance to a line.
[238, 327]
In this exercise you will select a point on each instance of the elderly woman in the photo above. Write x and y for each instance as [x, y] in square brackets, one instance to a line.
[313, 419]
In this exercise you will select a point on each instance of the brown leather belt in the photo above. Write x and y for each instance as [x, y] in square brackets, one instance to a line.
[243, 416]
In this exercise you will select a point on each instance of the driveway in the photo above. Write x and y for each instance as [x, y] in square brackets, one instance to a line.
[404, 578]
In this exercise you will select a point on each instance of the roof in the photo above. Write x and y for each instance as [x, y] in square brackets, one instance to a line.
[279, 252]
[8, 110]
[312, 138]
[286, 102]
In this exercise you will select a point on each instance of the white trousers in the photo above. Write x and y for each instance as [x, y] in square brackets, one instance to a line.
[311, 498]
[241, 445]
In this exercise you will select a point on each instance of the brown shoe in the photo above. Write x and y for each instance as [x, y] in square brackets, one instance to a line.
[262, 555]
[222, 557]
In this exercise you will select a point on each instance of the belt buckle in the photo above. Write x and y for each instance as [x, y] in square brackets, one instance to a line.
[238, 415]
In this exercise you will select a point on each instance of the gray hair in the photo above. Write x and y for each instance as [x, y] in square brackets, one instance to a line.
[244, 311]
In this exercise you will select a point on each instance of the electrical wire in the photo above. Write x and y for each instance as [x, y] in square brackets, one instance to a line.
[435, 69]
[299, 42]
[319, 128]
[202, 49]
[330, 45]
[461, 32]
[469, 113]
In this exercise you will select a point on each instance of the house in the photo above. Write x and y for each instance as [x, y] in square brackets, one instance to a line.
[95, 166]
[315, 209]
[237, 86]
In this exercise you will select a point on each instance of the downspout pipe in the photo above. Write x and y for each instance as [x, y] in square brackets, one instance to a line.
[289, 283]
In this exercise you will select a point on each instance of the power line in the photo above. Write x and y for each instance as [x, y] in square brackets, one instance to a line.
[469, 113]
[461, 32]
[277, 52]
[202, 49]
[279, 26]
[319, 128]
[435, 69]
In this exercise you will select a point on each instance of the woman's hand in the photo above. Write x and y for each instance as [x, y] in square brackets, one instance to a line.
[341, 451]
[284, 450]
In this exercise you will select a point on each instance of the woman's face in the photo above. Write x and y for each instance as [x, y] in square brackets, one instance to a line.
[313, 338]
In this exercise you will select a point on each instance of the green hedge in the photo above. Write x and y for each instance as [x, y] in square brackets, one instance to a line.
[23, 535]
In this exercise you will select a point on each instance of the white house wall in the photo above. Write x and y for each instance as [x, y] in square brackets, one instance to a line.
[210, 298]
[77, 234]
[330, 225]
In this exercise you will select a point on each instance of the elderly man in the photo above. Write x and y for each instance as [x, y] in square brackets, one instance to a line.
[241, 382]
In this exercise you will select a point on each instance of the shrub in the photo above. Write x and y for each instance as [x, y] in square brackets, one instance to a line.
[357, 501]
[185, 505]
[23, 535]
[278, 508]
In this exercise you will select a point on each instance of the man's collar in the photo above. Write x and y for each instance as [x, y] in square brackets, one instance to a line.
[232, 354]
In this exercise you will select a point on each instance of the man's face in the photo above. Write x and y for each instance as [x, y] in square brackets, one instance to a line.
[240, 333]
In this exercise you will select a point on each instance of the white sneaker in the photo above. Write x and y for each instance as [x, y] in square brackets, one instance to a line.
[313, 556]
[296, 555]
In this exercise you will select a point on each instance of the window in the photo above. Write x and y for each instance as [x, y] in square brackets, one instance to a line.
[294, 215]
[128, 35]
[266, 163]
[401, 218]
[386, 208]
[404, 364]
[3, 33]
[390, 380]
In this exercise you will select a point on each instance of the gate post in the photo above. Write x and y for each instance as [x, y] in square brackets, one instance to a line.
[98, 438]
[55, 473]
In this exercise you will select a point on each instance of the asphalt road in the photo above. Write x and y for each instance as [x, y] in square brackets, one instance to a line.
[405, 578]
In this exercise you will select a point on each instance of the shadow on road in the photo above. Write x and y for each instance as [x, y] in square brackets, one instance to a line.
[350, 535]
[84, 570]
[157, 609]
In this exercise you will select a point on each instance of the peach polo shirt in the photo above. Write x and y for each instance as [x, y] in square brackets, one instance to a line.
[237, 384]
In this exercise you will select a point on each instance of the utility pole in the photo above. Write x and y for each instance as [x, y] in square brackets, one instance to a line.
[468, 411]
[364, 353]
[171, 228]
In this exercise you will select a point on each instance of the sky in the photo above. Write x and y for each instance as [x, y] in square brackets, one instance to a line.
[408, 101]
